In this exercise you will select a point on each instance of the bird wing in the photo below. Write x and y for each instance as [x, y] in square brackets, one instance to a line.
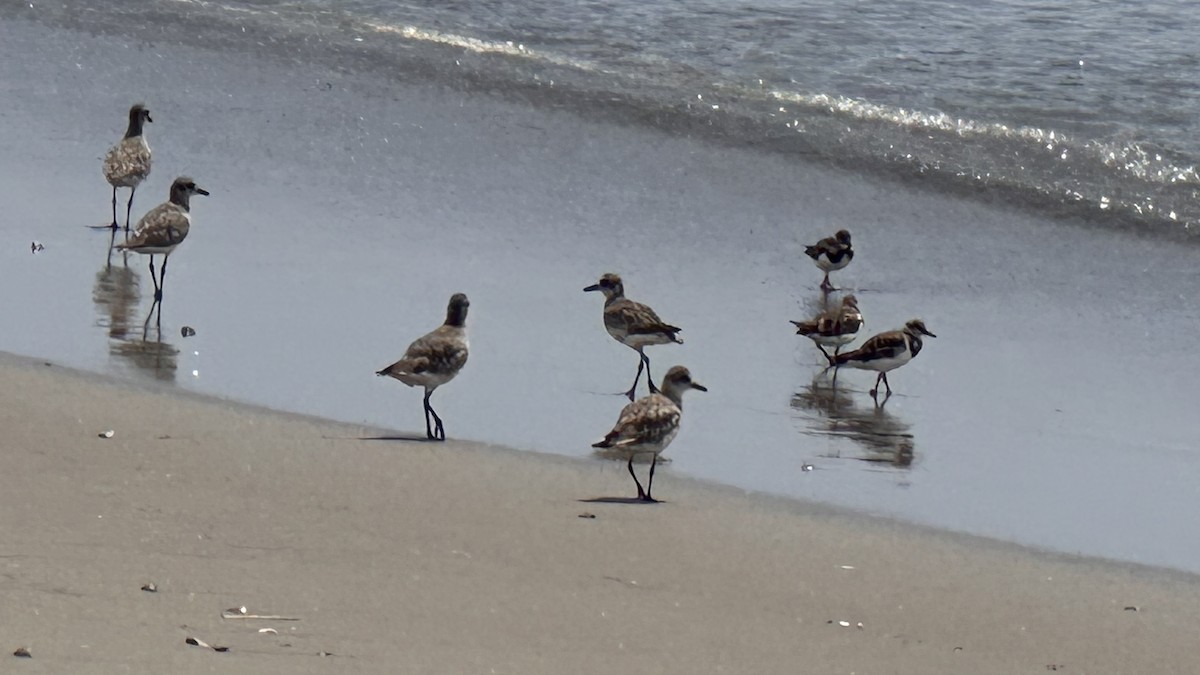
[165, 225]
[128, 159]
[830, 247]
[635, 318]
[830, 324]
[436, 352]
[646, 420]
[883, 346]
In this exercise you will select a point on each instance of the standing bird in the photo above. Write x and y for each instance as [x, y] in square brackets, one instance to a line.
[633, 324]
[833, 328]
[434, 359]
[128, 162]
[650, 424]
[831, 254]
[886, 351]
[164, 228]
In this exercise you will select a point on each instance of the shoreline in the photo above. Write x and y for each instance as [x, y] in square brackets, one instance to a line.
[779, 503]
[419, 557]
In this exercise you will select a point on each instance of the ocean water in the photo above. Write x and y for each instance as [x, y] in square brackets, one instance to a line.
[367, 162]
[1074, 106]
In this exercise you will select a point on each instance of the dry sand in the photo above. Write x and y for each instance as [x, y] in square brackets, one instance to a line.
[404, 557]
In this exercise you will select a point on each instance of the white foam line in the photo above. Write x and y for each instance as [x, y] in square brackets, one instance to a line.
[508, 47]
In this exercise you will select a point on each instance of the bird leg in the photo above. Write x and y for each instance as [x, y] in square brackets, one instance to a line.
[825, 285]
[827, 356]
[128, 207]
[114, 204]
[641, 493]
[162, 278]
[885, 383]
[633, 390]
[882, 377]
[438, 432]
[154, 278]
[649, 379]
[650, 483]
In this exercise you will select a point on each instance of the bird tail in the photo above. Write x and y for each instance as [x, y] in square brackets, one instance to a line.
[805, 327]
[608, 442]
[842, 359]
[812, 252]
[385, 371]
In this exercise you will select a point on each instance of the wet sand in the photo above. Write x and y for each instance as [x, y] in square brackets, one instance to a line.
[347, 207]
[400, 556]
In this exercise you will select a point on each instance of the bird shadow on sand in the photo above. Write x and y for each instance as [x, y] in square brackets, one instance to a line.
[400, 438]
[620, 500]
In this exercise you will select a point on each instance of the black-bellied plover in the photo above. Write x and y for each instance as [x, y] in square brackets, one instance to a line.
[649, 424]
[834, 328]
[886, 352]
[434, 359]
[831, 254]
[128, 162]
[633, 324]
[164, 228]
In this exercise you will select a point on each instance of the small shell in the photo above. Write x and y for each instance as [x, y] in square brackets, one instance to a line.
[187, 331]
[150, 588]
[107, 434]
[844, 624]
[23, 653]
[272, 631]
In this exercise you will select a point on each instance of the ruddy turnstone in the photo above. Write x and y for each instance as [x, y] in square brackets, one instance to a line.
[434, 359]
[833, 328]
[831, 254]
[650, 423]
[128, 162]
[886, 351]
[164, 228]
[633, 324]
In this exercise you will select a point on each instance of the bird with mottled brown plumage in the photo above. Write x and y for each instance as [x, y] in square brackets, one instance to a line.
[164, 227]
[633, 324]
[649, 424]
[434, 359]
[833, 328]
[128, 162]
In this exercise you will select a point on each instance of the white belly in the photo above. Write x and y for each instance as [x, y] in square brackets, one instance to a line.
[833, 340]
[427, 380]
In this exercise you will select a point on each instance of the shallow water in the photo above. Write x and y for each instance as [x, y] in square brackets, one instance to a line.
[346, 208]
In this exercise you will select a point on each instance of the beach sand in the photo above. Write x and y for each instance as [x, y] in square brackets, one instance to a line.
[399, 556]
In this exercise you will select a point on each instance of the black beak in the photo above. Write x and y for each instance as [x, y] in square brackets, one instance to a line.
[593, 287]
[202, 191]
[699, 386]
[928, 333]
[148, 116]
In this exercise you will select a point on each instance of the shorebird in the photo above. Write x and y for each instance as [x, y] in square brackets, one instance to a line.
[886, 352]
[434, 359]
[833, 328]
[831, 254]
[128, 162]
[164, 228]
[632, 324]
[650, 423]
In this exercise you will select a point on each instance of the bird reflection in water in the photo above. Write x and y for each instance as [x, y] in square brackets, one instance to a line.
[117, 296]
[884, 438]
